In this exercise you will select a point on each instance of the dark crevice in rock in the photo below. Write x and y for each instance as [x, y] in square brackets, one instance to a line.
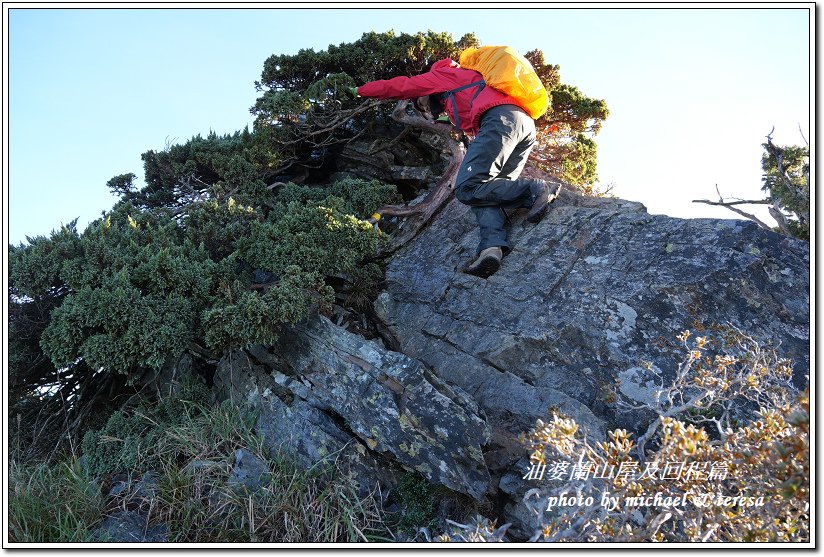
[484, 360]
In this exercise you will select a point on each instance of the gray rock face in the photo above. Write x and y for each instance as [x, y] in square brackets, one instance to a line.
[134, 522]
[356, 392]
[583, 298]
[143, 489]
[313, 437]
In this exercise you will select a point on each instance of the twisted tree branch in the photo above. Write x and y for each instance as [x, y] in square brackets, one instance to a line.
[340, 118]
[421, 213]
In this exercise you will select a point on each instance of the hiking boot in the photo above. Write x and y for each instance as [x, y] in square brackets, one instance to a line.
[487, 263]
[547, 193]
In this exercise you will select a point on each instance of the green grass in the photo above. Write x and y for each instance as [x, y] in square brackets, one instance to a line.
[57, 503]
[193, 456]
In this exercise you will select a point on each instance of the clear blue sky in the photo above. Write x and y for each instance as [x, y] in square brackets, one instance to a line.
[692, 92]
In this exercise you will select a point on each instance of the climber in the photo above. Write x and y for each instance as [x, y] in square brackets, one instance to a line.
[504, 134]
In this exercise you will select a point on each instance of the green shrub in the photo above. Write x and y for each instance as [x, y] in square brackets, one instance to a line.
[139, 287]
[417, 499]
[314, 238]
[354, 196]
[251, 318]
[134, 290]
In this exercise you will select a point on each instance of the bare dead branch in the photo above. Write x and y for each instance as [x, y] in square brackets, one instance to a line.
[800, 131]
[730, 206]
[375, 149]
[736, 202]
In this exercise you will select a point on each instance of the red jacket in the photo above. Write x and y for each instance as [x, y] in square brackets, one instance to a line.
[445, 75]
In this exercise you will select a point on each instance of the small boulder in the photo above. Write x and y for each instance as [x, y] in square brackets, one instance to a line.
[249, 472]
[131, 527]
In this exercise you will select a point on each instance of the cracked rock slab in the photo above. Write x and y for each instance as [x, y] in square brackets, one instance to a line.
[324, 392]
[392, 403]
[314, 439]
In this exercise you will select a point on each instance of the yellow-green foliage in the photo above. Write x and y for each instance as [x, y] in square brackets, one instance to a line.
[244, 318]
[211, 167]
[316, 239]
[350, 195]
[136, 289]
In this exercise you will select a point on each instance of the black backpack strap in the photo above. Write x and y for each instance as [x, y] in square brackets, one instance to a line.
[451, 95]
[480, 83]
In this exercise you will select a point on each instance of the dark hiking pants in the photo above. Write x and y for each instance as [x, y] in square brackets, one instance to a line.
[488, 178]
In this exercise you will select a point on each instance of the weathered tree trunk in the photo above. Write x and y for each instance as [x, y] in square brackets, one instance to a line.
[421, 213]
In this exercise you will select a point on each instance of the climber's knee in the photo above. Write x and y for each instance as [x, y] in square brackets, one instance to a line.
[463, 193]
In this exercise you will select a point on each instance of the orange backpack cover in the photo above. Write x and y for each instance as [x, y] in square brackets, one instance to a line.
[509, 72]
